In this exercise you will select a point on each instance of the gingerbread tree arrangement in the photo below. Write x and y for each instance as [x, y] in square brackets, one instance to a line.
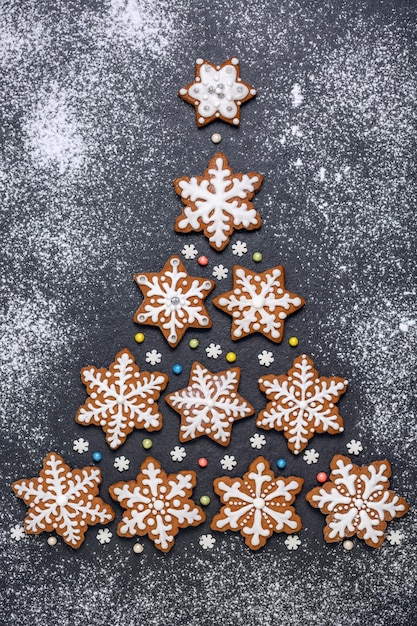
[301, 403]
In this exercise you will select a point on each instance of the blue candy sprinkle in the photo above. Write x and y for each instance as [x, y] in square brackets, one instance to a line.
[97, 456]
[281, 463]
[177, 368]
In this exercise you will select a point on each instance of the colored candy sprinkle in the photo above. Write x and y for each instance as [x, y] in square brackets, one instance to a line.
[139, 337]
[202, 462]
[321, 477]
[281, 463]
[231, 357]
[293, 341]
[97, 456]
[147, 444]
[193, 343]
[205, 500]
[202, 260]
[177, 368]
[257, 257]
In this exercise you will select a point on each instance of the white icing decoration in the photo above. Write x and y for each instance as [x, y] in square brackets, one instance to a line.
[212, 404]
[306, 403]
[221, 206]
[152, 504]
[126, 403]
[258, 300]
[359, 503]
[61, 499]
[173, 305]
[259, 504]
[218, 91]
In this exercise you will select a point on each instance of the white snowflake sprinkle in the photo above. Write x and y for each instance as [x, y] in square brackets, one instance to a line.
[239, 248]
[213, 351]
[153, 357]
[17, 532]
[266, 358]
[104, 535]
[292, 542]
[178, 454]
[354, 447]
[257, 441]
[121, 463]
[189, 251]
[311, 456]
[395, 537]
[228, 462]
[220, 272]
[80, 445]
[207, 541]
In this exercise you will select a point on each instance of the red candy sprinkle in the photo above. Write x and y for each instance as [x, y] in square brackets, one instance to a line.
[203, 462]
[202, 260]
[321, 477]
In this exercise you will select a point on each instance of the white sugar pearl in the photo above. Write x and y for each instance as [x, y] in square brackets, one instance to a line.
[138, 548]
[52, 541]
[348, 544]
[216, 137]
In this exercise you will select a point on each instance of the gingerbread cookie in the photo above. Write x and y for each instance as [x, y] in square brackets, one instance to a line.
[217, 92]
[218, 202]
[357, 501]
[257, 505]
[121, 398]
[210, 404]
[157, 504]
[63, 500]
[302, 403]
[173, 300]
[258, 303]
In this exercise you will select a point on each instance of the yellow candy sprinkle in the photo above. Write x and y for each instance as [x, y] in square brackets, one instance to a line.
[231, 357]
[139, 337]
[293, 341]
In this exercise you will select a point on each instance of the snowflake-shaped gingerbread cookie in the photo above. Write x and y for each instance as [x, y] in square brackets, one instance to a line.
[63, 500]
[258, 303]
[257, 505]
[121, 398]
[217, 92]
[157, 504]
[357, 501]
[173, 300]
[210, 404]
[301, 403]
[218, 202]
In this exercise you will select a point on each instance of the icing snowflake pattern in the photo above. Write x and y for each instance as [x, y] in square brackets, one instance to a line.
[210, 404]
[121, 398]
[258, 303]
[357, 501]
[217, 92]
[157, 504]
[63, 500]
[173, 300]
[258, 504]
[301, 403]
[218, 202]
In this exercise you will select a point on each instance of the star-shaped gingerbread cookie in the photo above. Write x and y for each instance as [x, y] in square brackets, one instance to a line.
[357, 501]
[302, 403]
[218, 202]
[210, 404]
[217, 92]
[64, 500]
[173, 300]
[157, 504]
[258, 504]
[121, 398]
[258, 303]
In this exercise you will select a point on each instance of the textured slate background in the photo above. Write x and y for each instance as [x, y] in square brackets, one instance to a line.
[93, 133]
